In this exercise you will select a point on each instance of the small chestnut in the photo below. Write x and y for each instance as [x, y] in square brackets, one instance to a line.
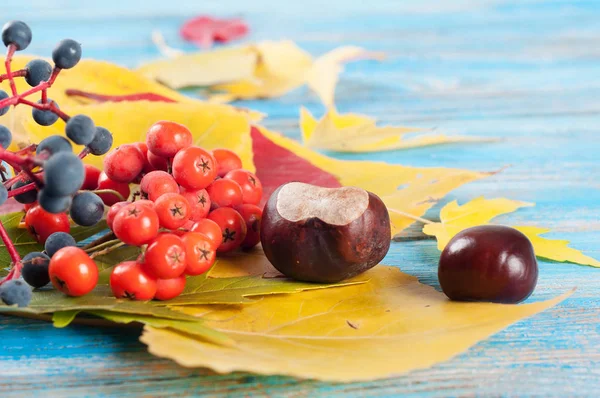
[324, 235]
[488, 263]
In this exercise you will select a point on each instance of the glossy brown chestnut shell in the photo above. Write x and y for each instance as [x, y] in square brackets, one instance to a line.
[324, 235]
[488, 263]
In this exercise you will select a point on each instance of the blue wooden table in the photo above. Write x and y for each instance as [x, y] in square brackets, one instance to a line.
[526, 71]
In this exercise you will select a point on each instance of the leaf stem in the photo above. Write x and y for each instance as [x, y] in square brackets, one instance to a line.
[104, 238]
[102, 245]
[107, 250]
[408, 215]
[110, 191]
[15, 272]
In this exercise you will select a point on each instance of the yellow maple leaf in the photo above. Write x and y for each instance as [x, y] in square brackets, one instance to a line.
[481, 211]
[420, 189]
[388, 326]
[359, 133]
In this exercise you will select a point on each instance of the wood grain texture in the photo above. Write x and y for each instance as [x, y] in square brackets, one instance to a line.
[526, 71]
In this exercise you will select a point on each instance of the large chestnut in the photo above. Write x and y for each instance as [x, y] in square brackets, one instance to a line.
[324, 235]
[488, 263]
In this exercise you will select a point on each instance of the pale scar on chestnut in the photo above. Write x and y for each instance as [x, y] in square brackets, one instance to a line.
[337, 206]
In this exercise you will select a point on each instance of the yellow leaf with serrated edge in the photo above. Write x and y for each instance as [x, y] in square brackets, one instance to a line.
[408, 192]
[555, 249]
[359, 133]
[212, 125]
[481, 211]
[388, 326]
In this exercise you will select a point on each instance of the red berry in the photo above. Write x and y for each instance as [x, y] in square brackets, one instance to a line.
[199, 201]
[166, 289]
[157, 162]
[129, 280]
[136, 224]
[251, 186]
[211, 229]
[233, 226]
[252, 215]
[157, 183]
[110, 199]
[28, 206]
[92, 173]
[227, 161]
[165, 256]
[144, 149]
[112, 212]
[200, 253]
[173, 210]
[167, 138]
[145, 202]
[124, 163]
[41, 224]
[194, 168]
[73, 272]
[224, 193]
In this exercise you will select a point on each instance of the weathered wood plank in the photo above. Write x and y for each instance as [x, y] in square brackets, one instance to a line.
[526, 71]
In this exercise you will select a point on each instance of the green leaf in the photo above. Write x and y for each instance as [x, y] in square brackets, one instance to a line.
[25, 243]
[62, 319]
[196, 327]
[236, 290]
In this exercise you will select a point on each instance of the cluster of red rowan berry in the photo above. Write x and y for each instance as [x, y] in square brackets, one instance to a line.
[192, 204]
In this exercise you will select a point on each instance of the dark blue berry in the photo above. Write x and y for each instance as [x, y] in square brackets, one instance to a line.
[54, 144]
[25, 197]
[44, 118]
[66, 54]
[101, 143]
[53, 204]
[38, 71]
[63, 174]
[87, 209]
[3, 194]
[4, 95]
[17, 33]
[5, 137]
[57, 241]
[81, 129]
[35, 269]
[15, 292]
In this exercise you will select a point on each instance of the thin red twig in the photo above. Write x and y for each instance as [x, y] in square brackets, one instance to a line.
[15, 272]
[9, 55]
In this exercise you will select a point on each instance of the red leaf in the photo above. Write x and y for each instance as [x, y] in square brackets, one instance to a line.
[204, 30]
[276, 165]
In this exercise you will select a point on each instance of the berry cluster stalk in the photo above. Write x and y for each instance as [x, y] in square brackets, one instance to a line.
[22, 161]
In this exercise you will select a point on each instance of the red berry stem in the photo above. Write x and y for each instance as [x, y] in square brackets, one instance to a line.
[9, 55]
[17, 73]
[15, 272]
[118, 98]
[84, 152]
[23, 189]
[44, 95]
[27, 150]
[46, 106]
